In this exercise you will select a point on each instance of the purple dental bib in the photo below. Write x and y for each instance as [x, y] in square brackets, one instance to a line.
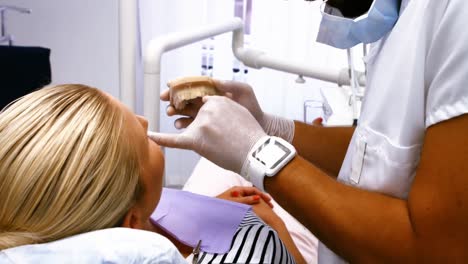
[192, 217]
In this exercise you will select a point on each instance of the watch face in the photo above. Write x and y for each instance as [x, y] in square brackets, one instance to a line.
[271, 154]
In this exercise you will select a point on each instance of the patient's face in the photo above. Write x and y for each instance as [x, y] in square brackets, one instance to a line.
[151, 163]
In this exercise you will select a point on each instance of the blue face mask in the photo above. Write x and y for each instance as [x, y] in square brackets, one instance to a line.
[343, 33]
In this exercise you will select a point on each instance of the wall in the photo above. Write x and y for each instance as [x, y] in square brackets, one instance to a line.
[82, 36]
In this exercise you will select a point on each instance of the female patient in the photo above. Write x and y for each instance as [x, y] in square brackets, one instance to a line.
[74, 160]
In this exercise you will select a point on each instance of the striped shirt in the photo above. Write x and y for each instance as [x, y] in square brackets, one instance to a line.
[254, 242]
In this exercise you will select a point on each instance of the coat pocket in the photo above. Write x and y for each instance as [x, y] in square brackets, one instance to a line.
[381, 165]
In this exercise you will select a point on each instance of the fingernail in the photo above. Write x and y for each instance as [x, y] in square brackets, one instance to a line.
[235, 193]
[256, 197]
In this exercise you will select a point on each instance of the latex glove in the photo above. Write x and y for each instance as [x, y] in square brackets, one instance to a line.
[223, 132]
[243, 94]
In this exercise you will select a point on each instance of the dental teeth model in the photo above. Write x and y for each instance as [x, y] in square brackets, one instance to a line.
[185, 89]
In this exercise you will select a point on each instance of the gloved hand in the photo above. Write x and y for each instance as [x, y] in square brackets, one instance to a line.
[223, 132]
[243, 94]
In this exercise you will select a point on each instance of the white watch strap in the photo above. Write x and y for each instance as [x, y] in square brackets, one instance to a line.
[256, 173]
[267, 151]
[252, 172]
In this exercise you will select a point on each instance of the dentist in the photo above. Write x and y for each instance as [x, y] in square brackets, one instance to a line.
[393, 189]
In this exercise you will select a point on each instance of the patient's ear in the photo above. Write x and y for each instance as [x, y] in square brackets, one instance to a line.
[133, 219]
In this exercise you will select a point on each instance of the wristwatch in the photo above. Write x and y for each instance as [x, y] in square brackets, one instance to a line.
[267, 157]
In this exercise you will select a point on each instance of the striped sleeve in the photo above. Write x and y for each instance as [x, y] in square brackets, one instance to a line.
[254, 242]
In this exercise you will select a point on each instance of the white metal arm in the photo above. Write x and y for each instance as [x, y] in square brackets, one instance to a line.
[152, 62]
[258, 59]
[250, 57]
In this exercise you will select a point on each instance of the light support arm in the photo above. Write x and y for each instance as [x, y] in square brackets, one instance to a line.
[152, 62]
[250, 57]
[258, 59]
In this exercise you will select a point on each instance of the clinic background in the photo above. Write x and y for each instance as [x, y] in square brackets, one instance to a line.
[84, 40]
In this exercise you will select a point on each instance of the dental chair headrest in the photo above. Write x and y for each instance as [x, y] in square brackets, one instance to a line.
[115, 245]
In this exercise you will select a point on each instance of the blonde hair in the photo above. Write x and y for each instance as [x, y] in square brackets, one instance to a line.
[66, 165]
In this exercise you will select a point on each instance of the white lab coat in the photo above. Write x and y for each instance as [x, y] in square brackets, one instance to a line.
[418, 76]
